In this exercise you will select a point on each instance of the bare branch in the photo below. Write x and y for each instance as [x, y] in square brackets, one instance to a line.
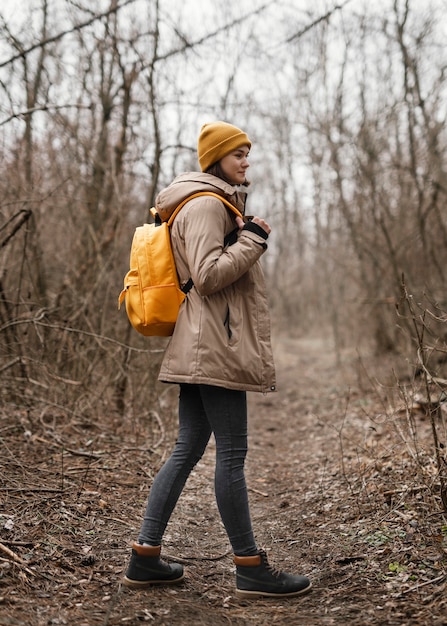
[188, 45]
[24, 214]
[323, 18]
[61, 35]
[47, 107]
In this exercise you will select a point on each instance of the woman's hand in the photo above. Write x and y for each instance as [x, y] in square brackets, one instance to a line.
[256, 220]
[239, 222]
[262, 223]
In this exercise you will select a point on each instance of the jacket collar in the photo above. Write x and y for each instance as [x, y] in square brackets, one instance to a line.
[192, 182]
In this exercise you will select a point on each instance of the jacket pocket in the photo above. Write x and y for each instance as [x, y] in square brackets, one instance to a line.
[227, 323]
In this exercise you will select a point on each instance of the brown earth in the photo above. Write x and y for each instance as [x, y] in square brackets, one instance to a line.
[342, 488]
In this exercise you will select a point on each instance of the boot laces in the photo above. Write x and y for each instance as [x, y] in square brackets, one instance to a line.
[272, 570]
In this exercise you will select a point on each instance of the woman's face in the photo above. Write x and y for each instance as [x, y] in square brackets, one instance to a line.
[235, 164]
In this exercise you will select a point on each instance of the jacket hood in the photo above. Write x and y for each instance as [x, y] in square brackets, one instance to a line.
[190, 183]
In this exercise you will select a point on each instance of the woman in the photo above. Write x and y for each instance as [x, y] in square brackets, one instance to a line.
[220, 349]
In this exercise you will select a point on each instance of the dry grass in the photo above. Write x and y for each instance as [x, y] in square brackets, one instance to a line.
[341, 489]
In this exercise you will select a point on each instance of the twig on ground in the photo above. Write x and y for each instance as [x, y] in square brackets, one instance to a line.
[187, 559]
[424, 584]
[260, 493]
[15, 557]
[31, 490]
[401, 490]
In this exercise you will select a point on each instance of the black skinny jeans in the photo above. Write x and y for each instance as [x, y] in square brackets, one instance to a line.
[204, 409]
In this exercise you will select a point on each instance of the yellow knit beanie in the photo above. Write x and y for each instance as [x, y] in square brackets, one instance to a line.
[218, 139]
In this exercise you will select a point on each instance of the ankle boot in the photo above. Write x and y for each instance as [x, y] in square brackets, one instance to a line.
[146, 568]
[256, 578]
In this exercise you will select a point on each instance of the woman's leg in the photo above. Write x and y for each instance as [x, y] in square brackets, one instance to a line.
[226, 411]
[203, 409]
[193, 436]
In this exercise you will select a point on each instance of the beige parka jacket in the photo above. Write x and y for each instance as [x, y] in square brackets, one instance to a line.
[222, 334]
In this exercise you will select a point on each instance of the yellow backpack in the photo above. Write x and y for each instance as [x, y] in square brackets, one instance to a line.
[151, 286]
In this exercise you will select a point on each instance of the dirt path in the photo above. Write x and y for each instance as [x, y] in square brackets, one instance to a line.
[332, 494]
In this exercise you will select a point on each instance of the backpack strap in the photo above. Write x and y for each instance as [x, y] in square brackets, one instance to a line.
[187, 286]
[190, 283]
[203, 193]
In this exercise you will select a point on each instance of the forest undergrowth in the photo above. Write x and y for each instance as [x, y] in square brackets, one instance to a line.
[343, 487]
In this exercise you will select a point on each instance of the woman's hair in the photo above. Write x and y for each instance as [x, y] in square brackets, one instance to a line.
[216, 170]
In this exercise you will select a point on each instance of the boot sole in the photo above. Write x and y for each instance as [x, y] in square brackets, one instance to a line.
[252, 595]
[142, 584]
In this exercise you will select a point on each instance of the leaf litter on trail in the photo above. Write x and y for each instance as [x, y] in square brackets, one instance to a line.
[334, 495]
